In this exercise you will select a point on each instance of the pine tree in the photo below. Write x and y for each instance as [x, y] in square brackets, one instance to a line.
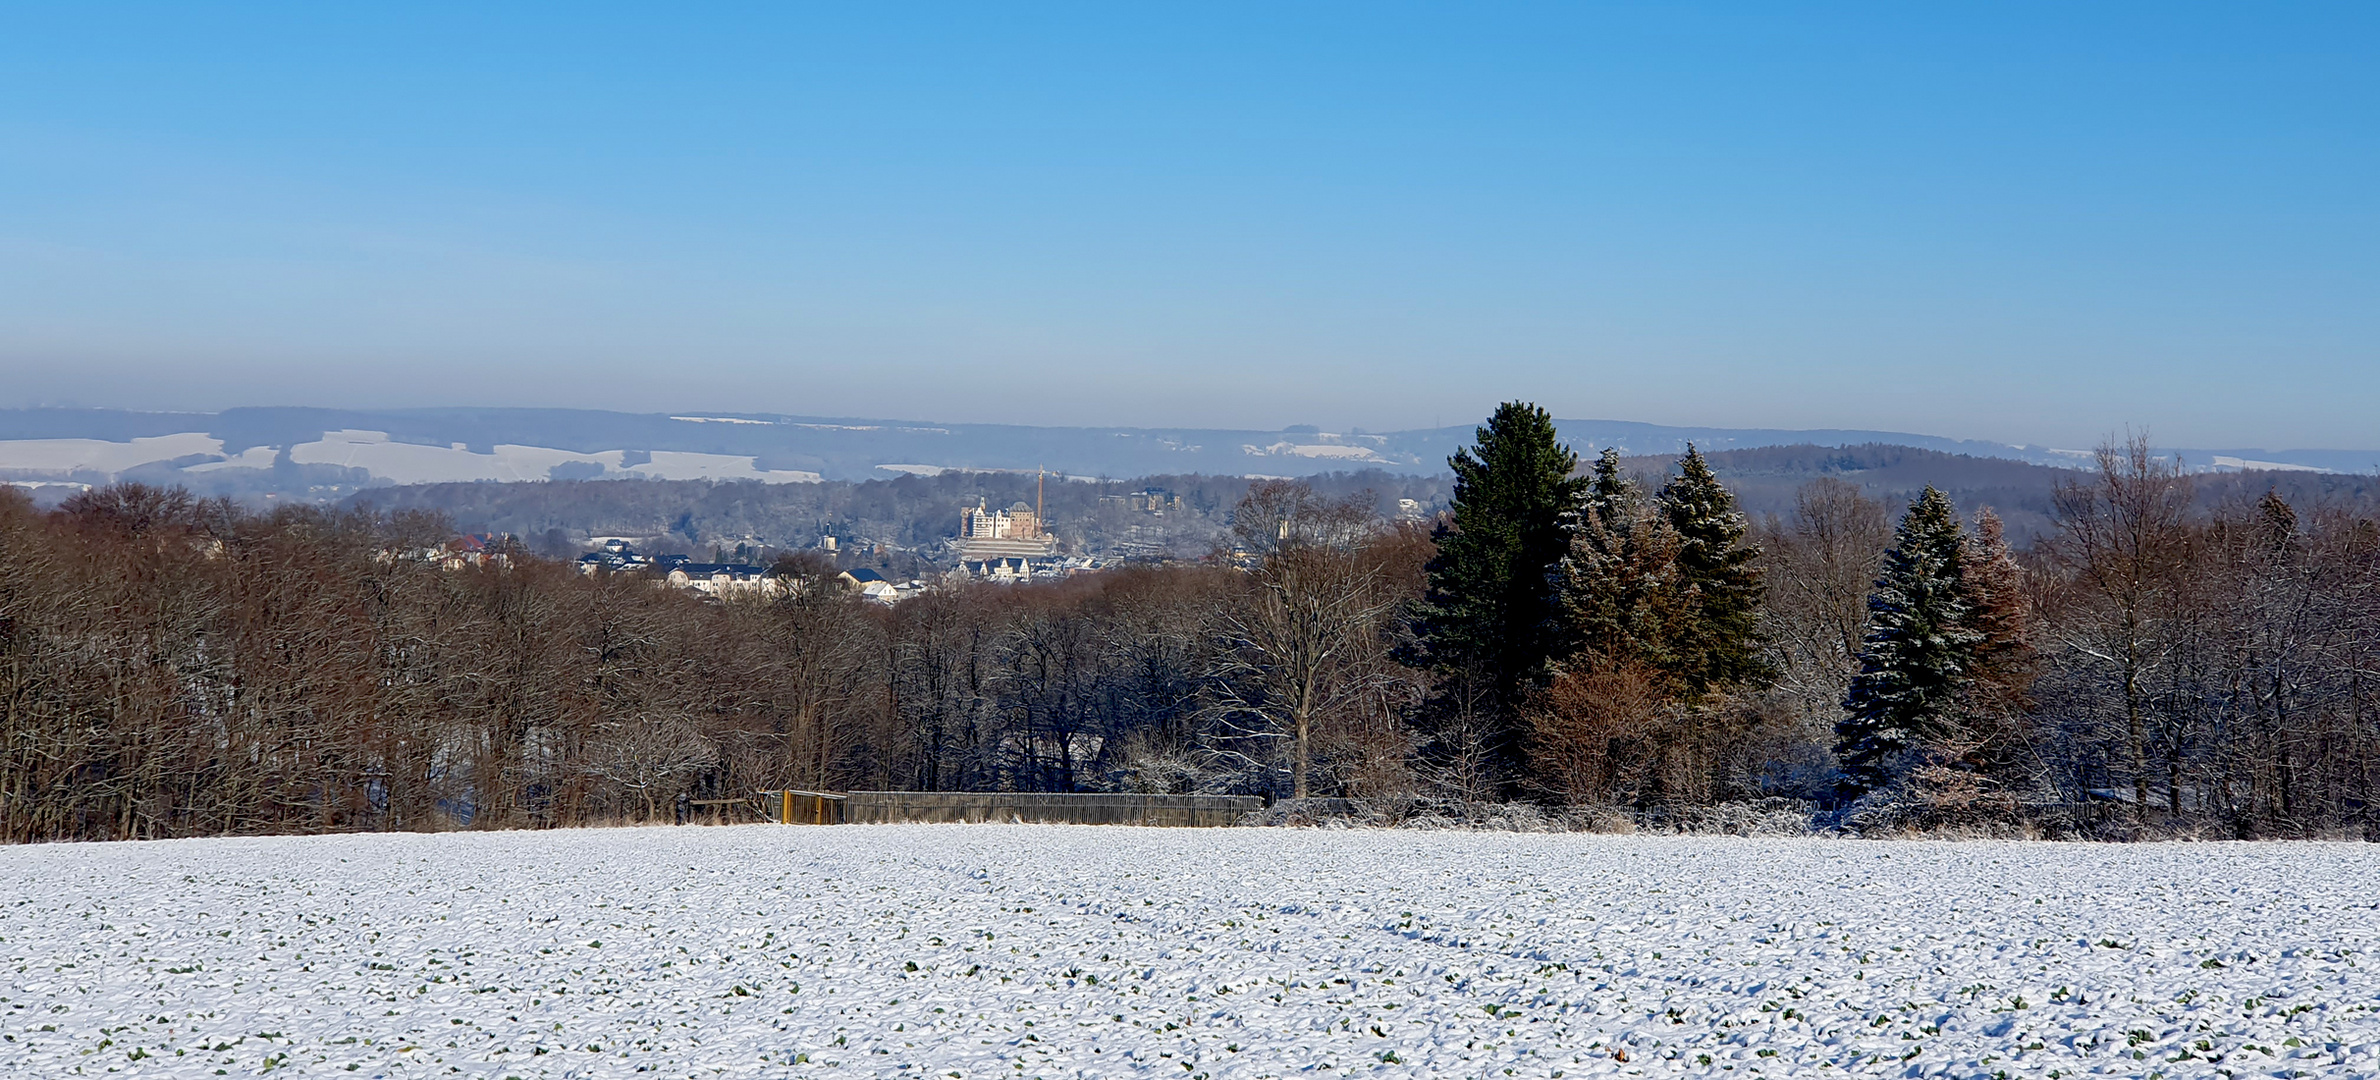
[1918, 655]
[1490, 604]
[1718, 644]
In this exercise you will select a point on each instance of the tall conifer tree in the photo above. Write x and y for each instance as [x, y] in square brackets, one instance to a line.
[1719, 644]
[1490, 603]
[1919, 652]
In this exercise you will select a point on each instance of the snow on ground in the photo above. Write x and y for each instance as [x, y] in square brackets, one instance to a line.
[100, 455]
[410, 463]
[993, 951]
[687, 465]
[374, 452]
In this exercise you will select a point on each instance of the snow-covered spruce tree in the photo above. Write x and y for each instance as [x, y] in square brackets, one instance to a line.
[1611, 497]
[1607, 723]
[1659, 599]
[1917, 657]
[1617, 590]
[1717, 644]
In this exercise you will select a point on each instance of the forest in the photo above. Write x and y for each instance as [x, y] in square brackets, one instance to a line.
[2165, 657]
[896, 525]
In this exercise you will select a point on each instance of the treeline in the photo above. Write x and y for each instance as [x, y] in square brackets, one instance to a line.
[898, 525]
[2159, 662]
[905, 515]
[1580, 637]
[171, 666]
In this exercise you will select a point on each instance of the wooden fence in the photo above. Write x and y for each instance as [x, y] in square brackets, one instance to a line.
[801, 807]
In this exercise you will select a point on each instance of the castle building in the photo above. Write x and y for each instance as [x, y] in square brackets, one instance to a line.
[1003, 545]
[1018, 522]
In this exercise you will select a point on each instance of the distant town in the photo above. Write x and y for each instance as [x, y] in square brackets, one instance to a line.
[1002, 545]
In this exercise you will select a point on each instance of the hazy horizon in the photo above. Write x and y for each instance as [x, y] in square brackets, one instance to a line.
[2028, 224]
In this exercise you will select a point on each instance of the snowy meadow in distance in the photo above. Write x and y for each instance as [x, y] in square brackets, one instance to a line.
[995, 951]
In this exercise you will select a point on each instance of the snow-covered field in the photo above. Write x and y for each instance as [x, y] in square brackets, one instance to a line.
[387, 460]
[988, 951]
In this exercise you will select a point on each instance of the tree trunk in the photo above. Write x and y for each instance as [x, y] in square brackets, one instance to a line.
[1304, 729]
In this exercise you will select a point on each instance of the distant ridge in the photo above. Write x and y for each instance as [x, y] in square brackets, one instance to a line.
[329, 453]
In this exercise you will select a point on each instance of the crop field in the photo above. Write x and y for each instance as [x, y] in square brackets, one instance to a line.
[1012, 951]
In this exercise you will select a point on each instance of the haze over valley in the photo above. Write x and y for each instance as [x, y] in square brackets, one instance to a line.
[331, 453]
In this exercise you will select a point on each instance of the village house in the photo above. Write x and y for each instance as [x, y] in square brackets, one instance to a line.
[477, 549]
[722, 580]
[681, 572]
[469, 549]
[615, 555]
[875, 586]
[1152, 501]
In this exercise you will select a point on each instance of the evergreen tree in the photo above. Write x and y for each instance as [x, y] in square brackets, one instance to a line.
[1718, 643]
[1611, 496]
[1918, 655]
[1490, 604]
[1619, 595]
[1616, 590]
[1992, 708]
[1998, 612]
[2277, 525]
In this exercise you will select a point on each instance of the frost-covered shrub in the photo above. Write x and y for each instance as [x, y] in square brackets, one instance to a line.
[1160, 774]
[1915, 808]
[1767, 817]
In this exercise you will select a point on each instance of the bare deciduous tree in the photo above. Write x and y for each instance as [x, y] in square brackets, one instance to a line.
[2123, 540]
[1316, 599]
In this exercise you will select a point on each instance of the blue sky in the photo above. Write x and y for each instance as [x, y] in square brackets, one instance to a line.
[2026, 222]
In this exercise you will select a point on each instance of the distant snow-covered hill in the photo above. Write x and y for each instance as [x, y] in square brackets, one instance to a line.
[329, 453]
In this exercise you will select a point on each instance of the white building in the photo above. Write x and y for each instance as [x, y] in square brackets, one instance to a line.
[1003, 545]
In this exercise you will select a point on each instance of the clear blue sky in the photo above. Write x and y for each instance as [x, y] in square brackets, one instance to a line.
[2029, 222]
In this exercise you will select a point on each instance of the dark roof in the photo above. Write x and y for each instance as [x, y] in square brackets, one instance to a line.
[863, 575]
[707, 569]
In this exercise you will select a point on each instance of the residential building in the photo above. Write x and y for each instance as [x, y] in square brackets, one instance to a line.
[722, 579]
